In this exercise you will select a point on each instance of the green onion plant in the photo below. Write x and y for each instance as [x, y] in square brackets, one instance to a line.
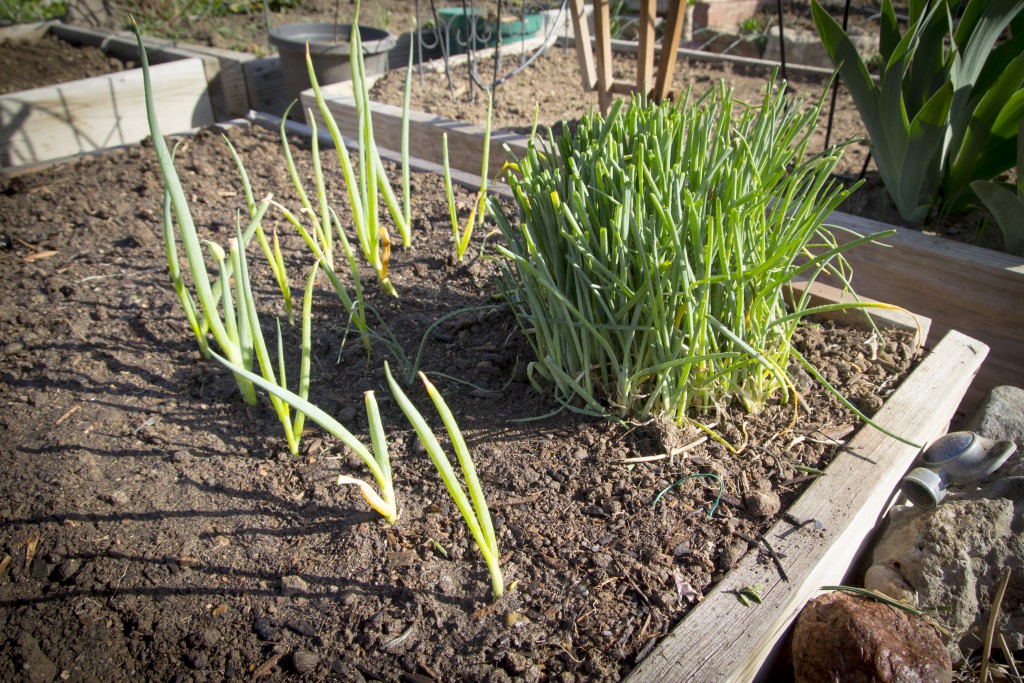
[215, 313]
[377, 461]
[653, 250]
[273, 254]
[475, 513]
[366, 189]
[318, 236]
[461, 237]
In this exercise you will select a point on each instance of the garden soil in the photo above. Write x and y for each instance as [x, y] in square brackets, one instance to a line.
[155, 527]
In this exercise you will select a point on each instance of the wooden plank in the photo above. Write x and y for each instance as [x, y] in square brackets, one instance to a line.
[584, 51]
[822, 294]
[602, 39]
[670, 38]
[465, 140]
[645, 51]
[25, 33]
[100, 112]
[976, 291]
[265, 84]
[224, 68]
[224, 71]
[720, 640]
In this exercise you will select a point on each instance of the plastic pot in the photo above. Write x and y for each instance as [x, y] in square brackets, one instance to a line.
[330, 50]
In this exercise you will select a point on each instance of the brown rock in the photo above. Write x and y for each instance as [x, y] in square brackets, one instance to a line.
[843, 637]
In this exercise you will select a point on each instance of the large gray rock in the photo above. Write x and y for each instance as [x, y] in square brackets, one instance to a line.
[840, 637]
[954, 555]
[1001, 415]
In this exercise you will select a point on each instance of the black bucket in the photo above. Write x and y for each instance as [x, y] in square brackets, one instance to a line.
[330, 50]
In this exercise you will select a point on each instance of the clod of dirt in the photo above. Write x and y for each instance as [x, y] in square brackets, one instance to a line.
[305, 661]
[762, 503]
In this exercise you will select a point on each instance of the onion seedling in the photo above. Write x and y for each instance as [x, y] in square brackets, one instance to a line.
[377, 461]
[461, 237]
[215, 313]
[476, 514]
[365, 190]
[319, 239]
[655, 246]
[274, 258]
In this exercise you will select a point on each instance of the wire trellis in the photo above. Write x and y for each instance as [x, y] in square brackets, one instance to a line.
[472, 30]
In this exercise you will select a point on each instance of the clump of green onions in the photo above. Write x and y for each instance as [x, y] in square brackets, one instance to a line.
[654, 247]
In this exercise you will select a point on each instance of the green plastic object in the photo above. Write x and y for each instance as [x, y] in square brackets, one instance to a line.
[478, 25]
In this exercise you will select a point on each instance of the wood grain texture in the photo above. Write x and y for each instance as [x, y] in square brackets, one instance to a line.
[95, 113]
[645, 49]
[667, 61]
[465, 140]
[584, 52]
[224, 73]
[720, 640]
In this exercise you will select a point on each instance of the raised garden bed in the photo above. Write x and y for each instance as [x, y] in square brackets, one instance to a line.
[287, 575]
[147, 532]
[86, 115]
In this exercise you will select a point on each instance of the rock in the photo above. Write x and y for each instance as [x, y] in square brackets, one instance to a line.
[39, 569]
[885, 579]
[842, 637]
[67, 569]
[119, 498]
[954, 554]
[1001, 415]
[732, 553]
[264, 630]
[305, 661]
[35, 665]
[762, 503]
[197, 660]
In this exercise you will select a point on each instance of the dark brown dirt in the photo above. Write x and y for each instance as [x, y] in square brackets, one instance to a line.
[49, 61]
[155, 526]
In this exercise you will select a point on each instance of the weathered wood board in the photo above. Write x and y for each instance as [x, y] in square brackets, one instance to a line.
[95, 113]
[465, 140]
[721, 640]
[976, 291]
[225, 75]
